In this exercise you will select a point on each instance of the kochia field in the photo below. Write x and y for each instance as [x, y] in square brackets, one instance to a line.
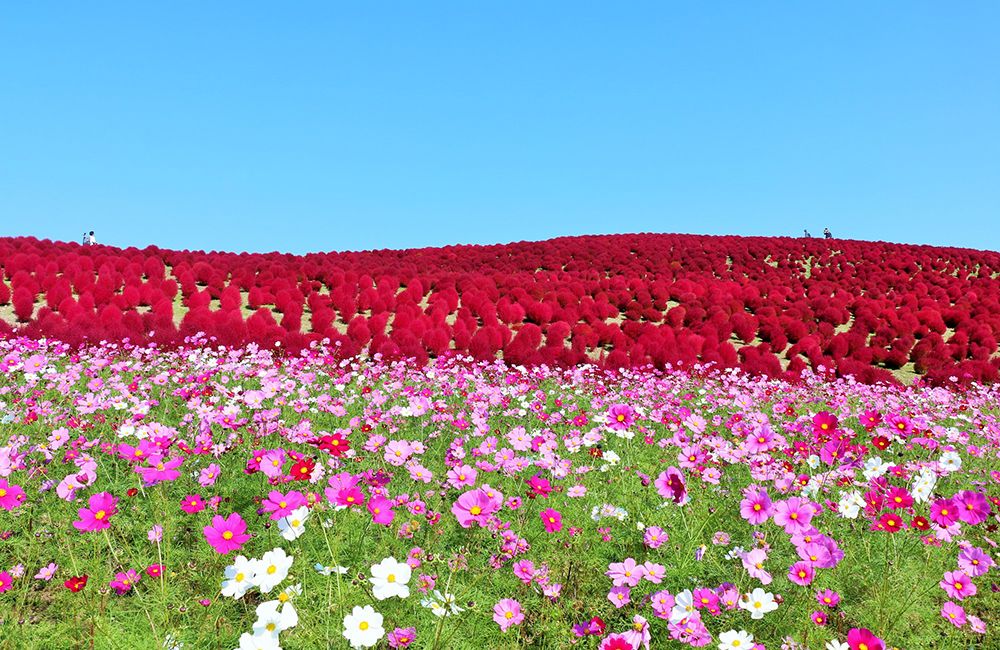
[774, 306]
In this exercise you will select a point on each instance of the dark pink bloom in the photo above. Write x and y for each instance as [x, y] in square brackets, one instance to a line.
[944, 512]
[864, 639]
[670, 485]
[381, 510]
[551, 519]
[192, 503]
[97, 516]
[11, 496]
[473, 506]
[226, 535]
[801, 573]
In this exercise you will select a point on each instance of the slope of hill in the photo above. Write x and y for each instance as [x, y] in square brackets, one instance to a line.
[873, 310]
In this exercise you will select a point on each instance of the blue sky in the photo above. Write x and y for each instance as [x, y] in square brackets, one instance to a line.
[344, 126]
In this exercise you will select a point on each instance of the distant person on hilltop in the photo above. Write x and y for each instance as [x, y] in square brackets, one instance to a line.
[91, 240]
[826, 234]
[806, 233]
[85, 241]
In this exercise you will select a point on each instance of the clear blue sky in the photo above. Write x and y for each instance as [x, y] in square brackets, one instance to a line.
[354, 125]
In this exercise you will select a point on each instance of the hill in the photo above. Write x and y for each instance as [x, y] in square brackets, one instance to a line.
[873, 310]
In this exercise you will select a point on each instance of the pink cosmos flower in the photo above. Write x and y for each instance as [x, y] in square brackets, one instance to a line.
[11, 496]
[349, 497]
[47, 572]
[753, 562]
[616, 642]
[801, 573]
[620, 417]
[639, 634]
[226, 535]
[662, 603]
[282, 505]
[670, 485]
[829, 598]
[551, 519]
[209, 475]
[124, 582]
[6, 582]
[958, 585]
[462, 476]
[381, 510]
[627, 573]
[953, 613]
[654, 537]
[97, 516]
[473, 506]
[158, 470]
[794, 514]
[401, 637]
[756, 506]
[524, 570]
[974, 561]
[507, 613]
[944, 512]
[619, 596]
[973, 508]
[654, 572]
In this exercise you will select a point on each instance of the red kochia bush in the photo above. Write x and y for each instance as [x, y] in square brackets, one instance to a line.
[624, 300]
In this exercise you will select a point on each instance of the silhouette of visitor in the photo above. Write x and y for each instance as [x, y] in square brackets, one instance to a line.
[806, 232]
[827, 234]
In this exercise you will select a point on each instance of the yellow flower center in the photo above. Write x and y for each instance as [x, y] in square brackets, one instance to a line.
[509, 615]
[363, 625]
[227, 535]
[3, 492]
[475, 510]
[391, 577]
[99, 515]
[239, 577]
[271, 570]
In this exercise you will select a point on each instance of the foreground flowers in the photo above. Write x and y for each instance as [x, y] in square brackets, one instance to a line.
[719, 511]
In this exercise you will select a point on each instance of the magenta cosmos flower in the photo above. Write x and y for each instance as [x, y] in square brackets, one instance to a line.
[551, 519]
[507, 613]
[226, 535]
[11, 496]
[670, 485]
[381, 510]
[801, 573]
[97, 516]
[863, 639]
[620, 417]
[824, 423]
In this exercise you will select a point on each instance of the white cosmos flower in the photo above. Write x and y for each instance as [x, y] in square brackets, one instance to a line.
[271, 569]
[273, 618]
[258, 642]
[950, 462]
[837, 645]
[363, 627]
[330, 570]
[683, 606]
[850, 505]
[239, 578]
[758, 602]
[442, 604]
[293, 525]
[735, 640]
[389, 579]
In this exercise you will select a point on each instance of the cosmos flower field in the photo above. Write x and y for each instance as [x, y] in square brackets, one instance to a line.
[208, 497]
